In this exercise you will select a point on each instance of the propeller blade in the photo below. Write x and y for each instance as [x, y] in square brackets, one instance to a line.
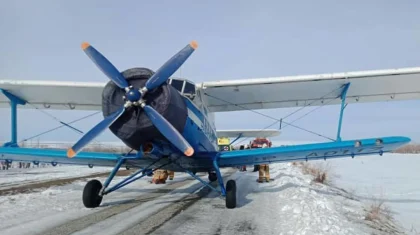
[104, 65]
[170, 66]
[94, 132]
[169, 131]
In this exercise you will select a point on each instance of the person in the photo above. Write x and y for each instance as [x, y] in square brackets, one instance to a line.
[264, 171]
[160, 177]
[171, 175]
[243, 168]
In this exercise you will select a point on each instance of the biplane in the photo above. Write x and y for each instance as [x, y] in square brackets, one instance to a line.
[169, 122]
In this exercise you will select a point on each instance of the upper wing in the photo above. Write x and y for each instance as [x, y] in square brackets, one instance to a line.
[221, 96]
[247, 133]
[310, 151]
[54, 94]
[314, 90]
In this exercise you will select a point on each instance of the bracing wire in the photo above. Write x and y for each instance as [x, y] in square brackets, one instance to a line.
[281, 119]
[55, 118]
[58, 127]
[306, 114]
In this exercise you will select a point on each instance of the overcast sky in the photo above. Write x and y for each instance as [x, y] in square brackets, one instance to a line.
[40, 40]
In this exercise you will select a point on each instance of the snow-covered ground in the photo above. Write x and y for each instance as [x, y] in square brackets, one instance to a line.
[291, 204]
[15, 176]
[35, 212]
[393, 178]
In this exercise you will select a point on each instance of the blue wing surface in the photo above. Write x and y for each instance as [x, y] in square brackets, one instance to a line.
[60, 156]
[311, 151]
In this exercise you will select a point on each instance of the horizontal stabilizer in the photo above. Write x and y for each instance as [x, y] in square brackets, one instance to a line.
[247, 133]
[311, 151]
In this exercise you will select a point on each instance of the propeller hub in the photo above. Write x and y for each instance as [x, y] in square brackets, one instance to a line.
[133, 95]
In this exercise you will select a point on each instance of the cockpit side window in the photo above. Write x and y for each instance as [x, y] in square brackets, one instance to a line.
[189, 88]
[177, 84]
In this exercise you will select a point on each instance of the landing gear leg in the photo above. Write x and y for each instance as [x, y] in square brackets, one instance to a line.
[230, 191]
[94, 191]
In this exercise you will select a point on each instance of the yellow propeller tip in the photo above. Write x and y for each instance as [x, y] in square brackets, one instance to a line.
[85, 45]
[194, 44]
[71, 153]
[189, 152]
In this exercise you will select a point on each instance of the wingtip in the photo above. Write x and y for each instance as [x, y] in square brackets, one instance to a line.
[71, 153]
[85, 45]
[189, 152]
[194, 44]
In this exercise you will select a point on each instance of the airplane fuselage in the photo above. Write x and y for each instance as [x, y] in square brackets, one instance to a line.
[199, 128]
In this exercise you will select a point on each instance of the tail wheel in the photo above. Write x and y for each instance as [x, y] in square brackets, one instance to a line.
[91, 197]
[231, 194]
[212, 176]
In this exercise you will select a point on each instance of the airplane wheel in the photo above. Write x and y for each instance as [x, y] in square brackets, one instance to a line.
[231, 194]
[91, 198]
[212, 176]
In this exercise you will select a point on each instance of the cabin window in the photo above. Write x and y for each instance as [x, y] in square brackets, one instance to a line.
[177, 84]
[189, 88]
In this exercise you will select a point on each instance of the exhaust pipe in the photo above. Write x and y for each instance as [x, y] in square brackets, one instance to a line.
[150, 149]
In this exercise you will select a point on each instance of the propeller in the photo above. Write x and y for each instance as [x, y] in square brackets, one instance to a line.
[134, 97]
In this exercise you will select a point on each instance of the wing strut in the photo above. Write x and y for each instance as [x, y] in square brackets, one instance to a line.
[14, 101]
[237, 138]
[343, 106]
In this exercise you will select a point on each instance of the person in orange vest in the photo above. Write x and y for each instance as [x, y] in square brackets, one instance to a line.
[159, 177]
[264, 171]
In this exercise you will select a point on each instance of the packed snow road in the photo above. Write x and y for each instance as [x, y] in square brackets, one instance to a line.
[59, 209]
[291, 204]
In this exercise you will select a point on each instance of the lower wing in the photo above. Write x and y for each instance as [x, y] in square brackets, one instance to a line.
[60, 156]
[311, 151]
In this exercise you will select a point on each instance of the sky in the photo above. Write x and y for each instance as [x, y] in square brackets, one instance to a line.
[40, 40]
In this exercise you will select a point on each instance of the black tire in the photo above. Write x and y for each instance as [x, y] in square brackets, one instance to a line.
[91, 198]
[231, 194]
[212, 176]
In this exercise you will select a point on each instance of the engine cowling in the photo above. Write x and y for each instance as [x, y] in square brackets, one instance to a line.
[134, 128]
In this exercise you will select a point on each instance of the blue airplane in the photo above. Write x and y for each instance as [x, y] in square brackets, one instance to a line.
[169, 122]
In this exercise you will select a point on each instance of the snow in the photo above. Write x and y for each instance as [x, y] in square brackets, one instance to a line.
[18, 176]
[291, 204]
[39, 211]
[393, 178]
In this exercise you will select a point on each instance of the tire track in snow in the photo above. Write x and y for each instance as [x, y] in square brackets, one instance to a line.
[155, 221]
[145, 213]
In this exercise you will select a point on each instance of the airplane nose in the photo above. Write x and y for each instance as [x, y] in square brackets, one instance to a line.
[133, 95]
[134, 128]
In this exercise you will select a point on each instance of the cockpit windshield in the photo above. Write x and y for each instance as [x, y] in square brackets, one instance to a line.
[177, 84]
[183, 86]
